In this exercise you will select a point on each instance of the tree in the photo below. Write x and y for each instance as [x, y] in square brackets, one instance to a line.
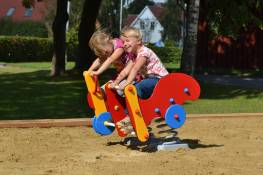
[224, 17]
[59, 38]
[137, 5]
[109, 15]
[49, 13]
[59, 35]
[171, 20]
[228, 18]
[190, 41]
[75, 13]
[86, 29]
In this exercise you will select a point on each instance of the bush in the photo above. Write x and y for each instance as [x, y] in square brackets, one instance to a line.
[41, 49]
[72, 43]
[24, 28]
[18, 49]
[168, 54]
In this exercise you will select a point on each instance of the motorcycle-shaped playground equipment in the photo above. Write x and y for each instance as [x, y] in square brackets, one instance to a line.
[165, 102]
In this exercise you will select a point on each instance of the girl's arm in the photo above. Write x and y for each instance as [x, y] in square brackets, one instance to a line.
[140, 62]
[124, 72]
[94, 65]
[106, 64]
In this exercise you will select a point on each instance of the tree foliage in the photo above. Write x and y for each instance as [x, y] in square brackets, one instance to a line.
[171, 20]
[229, 17]
[109, 15]
[137, 5]
[75, 13]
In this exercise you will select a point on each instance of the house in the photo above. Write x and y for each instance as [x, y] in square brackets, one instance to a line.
[14, 10]
[148, 21]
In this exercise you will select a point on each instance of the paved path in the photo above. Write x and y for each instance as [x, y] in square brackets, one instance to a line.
[251, 83]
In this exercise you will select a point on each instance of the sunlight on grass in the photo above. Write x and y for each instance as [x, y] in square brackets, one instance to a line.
[29, 67]
[28, 92]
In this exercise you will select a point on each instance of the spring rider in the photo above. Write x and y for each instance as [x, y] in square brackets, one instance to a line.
[166, 101]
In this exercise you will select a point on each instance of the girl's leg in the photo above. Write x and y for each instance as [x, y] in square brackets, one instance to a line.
[146, 86]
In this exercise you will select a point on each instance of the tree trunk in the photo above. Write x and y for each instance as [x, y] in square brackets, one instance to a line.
[190, 41]
[86, 29]
[59, 38]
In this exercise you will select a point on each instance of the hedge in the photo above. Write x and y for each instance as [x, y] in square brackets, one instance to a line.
[22, 28]
[18, 49]
[168, 54]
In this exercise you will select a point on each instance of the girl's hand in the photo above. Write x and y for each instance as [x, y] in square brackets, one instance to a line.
[113, 85]
[93, 73]
[121, 87]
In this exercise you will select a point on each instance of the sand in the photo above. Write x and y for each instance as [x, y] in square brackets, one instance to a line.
[218, 146]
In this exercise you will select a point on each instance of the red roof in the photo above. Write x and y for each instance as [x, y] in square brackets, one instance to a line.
[38, 11]
[130, 19]
[157, 10]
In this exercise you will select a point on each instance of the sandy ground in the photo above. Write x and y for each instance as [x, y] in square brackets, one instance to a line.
[218, 146]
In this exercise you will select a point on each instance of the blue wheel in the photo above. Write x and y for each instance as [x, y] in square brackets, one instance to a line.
[175, 116]
[93, 123]
[99, 126]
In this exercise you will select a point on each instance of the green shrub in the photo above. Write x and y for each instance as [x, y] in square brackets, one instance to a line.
[23, 28]
[72, 43]
[168, 54]
[17, 49]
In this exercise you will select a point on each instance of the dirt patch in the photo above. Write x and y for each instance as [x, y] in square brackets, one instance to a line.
[223, 146]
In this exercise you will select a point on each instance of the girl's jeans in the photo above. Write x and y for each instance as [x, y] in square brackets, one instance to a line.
[145, 87]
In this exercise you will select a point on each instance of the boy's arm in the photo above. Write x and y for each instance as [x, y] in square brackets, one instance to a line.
[124, 72]
[94, 65]
[105, 65]
[137, 66]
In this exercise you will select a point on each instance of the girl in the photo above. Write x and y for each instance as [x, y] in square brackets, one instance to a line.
[147, 64]
[109, 51]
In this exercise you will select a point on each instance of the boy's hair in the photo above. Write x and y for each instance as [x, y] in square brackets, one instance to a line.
[97, 42]
[131, 32]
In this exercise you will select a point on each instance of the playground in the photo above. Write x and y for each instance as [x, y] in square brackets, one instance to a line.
[217, 146]
[152, 87]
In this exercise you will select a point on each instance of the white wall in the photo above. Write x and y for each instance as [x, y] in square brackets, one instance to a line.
[149, 35]
[160, 1]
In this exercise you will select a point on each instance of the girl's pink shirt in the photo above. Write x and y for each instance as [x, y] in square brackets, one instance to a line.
[118, 43]
[153, 64]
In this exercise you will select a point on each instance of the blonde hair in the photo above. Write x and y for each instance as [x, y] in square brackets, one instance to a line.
[97, 42]
[131, 32]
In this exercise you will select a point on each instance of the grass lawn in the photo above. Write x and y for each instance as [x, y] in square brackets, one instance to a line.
[27, 92]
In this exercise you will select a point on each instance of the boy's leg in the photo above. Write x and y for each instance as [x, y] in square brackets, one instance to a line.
[146, 86]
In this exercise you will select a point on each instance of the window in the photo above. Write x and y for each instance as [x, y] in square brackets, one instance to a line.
[152, 25]
[142, 25]
[28, 12]
[11, 11]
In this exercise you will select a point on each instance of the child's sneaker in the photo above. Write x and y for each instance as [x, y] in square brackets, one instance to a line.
[128, 129]
[124, 122]
[125, 125]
